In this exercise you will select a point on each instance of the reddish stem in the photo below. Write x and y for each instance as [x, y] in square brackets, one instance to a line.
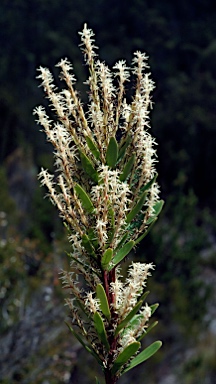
[109, 379]
[110, 277]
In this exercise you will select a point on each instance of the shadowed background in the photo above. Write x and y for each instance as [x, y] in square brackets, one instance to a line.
[180, 39]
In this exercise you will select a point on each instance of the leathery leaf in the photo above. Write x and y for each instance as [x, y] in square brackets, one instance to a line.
[104, 306]
[121, 254]
[128, 318]
[140, 238]
[88, 167]
[127, 168]
[86, 243]
[144, 355]
[144, 295]
[100, 329]
[122, 241]
[106, 258]
[157, 209]
[150, 327]
[123, 148]
[112, 152]
[94, 150]
[137, 208]
[92, 237]
[84, 198]
[132, 314]
[124, 356]
[149, 184]
[153, 308]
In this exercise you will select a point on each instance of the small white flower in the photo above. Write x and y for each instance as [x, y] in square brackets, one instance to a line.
[122, 71]
[91, 303]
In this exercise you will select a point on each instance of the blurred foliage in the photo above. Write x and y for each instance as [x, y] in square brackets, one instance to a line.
[180, 38]
[177, 242]
[19, 263]
[20, 260]
[26, 253]
[203, 362]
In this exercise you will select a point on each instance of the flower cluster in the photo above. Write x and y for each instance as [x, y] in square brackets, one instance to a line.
[106, 191]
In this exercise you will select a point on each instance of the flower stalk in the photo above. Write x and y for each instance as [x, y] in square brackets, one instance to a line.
[107, 195]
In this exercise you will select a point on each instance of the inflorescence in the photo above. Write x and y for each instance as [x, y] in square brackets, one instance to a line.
[106, 191]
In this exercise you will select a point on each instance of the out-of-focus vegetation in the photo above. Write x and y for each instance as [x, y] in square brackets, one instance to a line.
[180, 38]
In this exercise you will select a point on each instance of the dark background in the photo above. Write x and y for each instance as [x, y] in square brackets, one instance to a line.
[180, 39]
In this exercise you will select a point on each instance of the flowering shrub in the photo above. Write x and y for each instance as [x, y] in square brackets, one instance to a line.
[106, 192]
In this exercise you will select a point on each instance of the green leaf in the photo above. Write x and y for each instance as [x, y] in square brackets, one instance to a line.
[88, 348]
[149, 184]
[86, 243]
[93, 239]
[94, 150]
[132, 326]
[131, 318]
[121, 242]
[123, 148]
[157, 209]
[88, 167]
[106, 258]
[84, 198]
[111, 231]
[130, 315]
[124, 356]
[150, 220]
[134, 321]
[112, 152]
[153, 308]
[96, 380]
[111, 213]
[140, 238]
[144, 355]
[136, 209]
[99, 326]
[104, 306]
[144, 295]
[120, 255]
[150, 327]
[127, 169]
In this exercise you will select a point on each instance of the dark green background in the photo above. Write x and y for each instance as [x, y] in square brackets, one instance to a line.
[180, 39]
